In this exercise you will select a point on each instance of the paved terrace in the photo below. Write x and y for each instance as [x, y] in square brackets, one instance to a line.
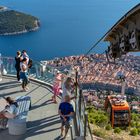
[43, 121]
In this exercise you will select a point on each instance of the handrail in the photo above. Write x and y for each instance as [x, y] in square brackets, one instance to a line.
[38, 71]
[81, 113]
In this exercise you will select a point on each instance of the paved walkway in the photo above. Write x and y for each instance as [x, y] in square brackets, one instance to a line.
[43, 120]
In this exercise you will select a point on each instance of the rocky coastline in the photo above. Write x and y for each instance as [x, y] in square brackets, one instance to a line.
[3, 8]
[14, 22]
[24, 31]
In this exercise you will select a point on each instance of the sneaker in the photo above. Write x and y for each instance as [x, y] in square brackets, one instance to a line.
[67, 136]
[3, 127]
[27, 88]
[55, 101]
[20, 81]
[61, 135]
[24, 90]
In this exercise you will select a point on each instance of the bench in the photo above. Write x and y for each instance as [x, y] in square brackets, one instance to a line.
[17, 125]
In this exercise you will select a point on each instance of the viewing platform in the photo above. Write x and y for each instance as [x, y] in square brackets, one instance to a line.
[43, 121]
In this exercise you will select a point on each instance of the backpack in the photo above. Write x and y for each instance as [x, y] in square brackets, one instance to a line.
[30, 63]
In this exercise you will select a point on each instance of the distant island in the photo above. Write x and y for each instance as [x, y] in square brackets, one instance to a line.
[2, 8]
[13, 22]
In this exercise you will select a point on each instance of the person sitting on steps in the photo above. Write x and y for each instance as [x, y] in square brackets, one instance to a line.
[9, 112]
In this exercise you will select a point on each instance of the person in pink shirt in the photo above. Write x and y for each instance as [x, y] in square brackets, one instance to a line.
[57, 86]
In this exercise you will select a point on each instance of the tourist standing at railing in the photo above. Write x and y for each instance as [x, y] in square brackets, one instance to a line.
[66, 113]
[17, 65]
[25, 55]
[24, 74]
[28, 62]
[57, 85]
[68, 88]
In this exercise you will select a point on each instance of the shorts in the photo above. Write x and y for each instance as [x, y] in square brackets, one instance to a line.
[66, 123]
[3, 122]
[23, 75]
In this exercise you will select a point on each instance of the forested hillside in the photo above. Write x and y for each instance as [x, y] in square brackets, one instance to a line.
[13, 22]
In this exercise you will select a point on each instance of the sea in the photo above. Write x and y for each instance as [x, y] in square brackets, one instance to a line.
[68, 27]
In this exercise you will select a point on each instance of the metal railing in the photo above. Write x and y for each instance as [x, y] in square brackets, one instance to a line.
[38, 70]
[81, 115]
[83, 126]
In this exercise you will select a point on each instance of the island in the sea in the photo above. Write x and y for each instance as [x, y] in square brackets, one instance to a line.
[13, 22]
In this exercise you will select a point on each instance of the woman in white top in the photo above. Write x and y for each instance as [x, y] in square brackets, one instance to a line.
[24, 74]
[67, 88]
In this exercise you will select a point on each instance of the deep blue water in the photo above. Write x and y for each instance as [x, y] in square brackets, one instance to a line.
[68, 27]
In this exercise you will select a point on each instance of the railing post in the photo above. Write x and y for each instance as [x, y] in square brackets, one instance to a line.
[85, 124]
[76, 89]
[80, 101]
[76, 82]
[71, 132]
[0, 68]
[36, 70]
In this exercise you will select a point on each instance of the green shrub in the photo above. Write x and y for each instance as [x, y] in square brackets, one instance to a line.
[97, 117]
[91, 121]
[90, 109]
[101, 120]
[99, 133]
[123, 127]
[127, 129]
[117, 130]
[133, 123]
[137, 124]
[135, 117]
[134, 132]
[108, 127]
[138, 130]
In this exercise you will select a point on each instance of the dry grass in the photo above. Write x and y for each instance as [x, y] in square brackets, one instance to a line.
[110, 135]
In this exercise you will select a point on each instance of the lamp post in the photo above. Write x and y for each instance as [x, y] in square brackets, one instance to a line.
[120, 76]
[123, 82]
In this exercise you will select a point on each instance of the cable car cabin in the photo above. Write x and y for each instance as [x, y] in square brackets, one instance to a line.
[118, 109]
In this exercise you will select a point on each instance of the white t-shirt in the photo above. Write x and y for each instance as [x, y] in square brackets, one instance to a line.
[25, 56]
[23, 65]
[12, 109]
[65, 92]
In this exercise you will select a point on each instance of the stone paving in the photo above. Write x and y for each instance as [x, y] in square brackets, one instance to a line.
[43, 121]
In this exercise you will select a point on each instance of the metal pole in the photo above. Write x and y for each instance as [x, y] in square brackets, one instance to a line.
[36, 69]
[71, 132]
[76, 82]
[123, 88]
[85, 125]
[0, 68]
[80, 102]
[76, 89]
